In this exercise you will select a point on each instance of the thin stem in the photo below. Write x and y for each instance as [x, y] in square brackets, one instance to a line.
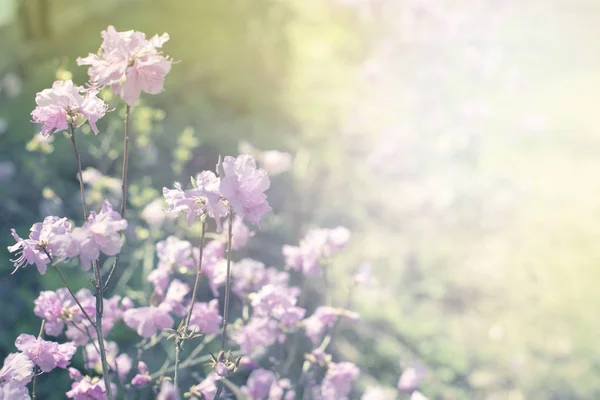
[35, 375]
[85, 314]
[179, 341]
[198, 274]
[123, 186]
[227, 296]
[78, 158]
[228, 281]
[99, 311]
[125, 162]
[178, 345]
[87, 333]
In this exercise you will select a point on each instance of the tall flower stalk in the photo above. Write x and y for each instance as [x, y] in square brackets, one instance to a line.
[98, 284]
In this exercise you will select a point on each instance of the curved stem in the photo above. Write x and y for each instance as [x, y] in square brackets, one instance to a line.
[79, 171]
[85, 314]
[125, 162]
[98, 326]
[227, 296]
[198, 274]
[228, 281]
[35, 375]
[123, 186]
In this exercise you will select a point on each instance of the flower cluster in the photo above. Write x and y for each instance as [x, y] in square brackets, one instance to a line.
[55, 240]
[268, 309]
[316, 247]
[240, 188]
[66, 105]
[129, 63]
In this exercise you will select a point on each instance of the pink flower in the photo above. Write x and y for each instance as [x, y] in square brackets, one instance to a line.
[121, 363]
[142, 378]
[147, 320]
[250, 276]
[55, 234]
[173, 252]
[17, 369]
[243, 186]
[46, 355]
[277, 302]
[13, 391]
[129, 63]
[64, 105]
[30, 253]
[57, 308]
[174, 299]
[86, 388]
[259, 384]
[99, 234]
[337, 382]
[317, 246]
[322, 318]
[206, 193]
[203, 199]
[167, 391]
[206, 390]
[411, 378]
[256, 335]
[206, 318]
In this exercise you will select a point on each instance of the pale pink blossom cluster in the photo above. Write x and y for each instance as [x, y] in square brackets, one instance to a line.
[129, 63]
[66, 105]
[316, 247]
[240, 189]
[55, 237]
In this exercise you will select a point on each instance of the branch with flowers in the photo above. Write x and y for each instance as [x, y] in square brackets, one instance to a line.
[262, 311]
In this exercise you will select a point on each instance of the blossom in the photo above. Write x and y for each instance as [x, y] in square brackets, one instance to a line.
[203, 199]
[322, 318]
[206, 318]
[119, 362]
[99, 234]
[65, 105]
[206, 193]
[173, 252]
[278, 302]
[142, 377]
[87, 388]
[17, 370]
[46, 355]
[54, 234]
[147, 320]
[30, 253]
[13, 391]
[173, 301]
[212, 258]
[337, 382]
[167, 391]
[57, 308]
[259, 384]
[205, 390]
[279, 388]
[250, 276]
[129, 63]
[256, 335]
[411, 378]
[243, 186]
[317, 245]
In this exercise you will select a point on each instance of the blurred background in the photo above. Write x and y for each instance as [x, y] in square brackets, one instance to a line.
[457, 140]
